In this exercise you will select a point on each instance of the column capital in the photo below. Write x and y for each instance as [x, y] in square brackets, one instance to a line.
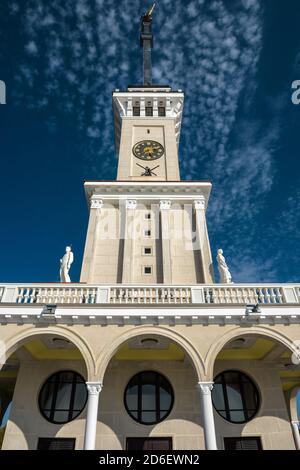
[164, 204]
[199, 203]
[130, 204]
[205, 387]
[94, 388]
[96, 203]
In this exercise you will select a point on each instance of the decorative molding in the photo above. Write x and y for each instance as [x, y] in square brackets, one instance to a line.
[165, 204]
[206, 387]
[96, 203]
[94, 388]
[173, 102]
[130, 204]
[199, 204]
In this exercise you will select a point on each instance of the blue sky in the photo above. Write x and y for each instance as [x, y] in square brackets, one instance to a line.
[235, 60]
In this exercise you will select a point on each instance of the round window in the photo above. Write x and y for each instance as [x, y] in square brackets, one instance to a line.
[148, 397]
[63, 397]
[235, 397]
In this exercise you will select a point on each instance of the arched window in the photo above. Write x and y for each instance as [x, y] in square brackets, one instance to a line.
[235, 397]
[63, 397]
[148, 397]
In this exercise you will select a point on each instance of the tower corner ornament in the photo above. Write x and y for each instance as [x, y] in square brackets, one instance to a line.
[225, 275]
[65, 265]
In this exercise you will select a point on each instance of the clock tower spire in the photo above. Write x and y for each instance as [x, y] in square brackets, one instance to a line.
[146, 39]
[147, 122]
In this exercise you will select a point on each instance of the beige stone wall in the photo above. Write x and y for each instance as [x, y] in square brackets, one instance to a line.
[110, 260]
[272, 422]
[101, 255]
[183, 423]
[185, 265]
[26, 424]
[160, 130]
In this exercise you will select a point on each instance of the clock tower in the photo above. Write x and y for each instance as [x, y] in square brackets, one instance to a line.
[148, 226]
[147, 130]
[147, 123]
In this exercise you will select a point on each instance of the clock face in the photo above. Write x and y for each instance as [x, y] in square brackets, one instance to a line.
[148, 150]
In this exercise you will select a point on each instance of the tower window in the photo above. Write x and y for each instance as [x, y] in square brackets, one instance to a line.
[149, 111]
[148, 215]
[161, 111]
[136, 111]
[147, 233]
[148, 131]
[147, 250]
[147, 269]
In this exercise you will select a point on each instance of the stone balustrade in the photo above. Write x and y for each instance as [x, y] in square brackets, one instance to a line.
[215, 294]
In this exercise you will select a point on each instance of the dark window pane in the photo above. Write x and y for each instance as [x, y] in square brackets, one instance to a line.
[149, 417]
[47, 395]
[63, 397]
[132, 398]
[56, 443]
[250, 395]
[235, 396]
[80, 396]
[237, 416]
[219, 396]
[66, 377]
[148, 397]
[149, 111]
[165, 399]
[242, 443]
[61, 416]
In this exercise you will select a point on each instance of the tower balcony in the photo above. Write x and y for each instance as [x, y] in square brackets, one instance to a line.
[104, 304]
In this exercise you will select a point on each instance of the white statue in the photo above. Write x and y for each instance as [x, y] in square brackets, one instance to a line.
[225, 276]
[65, 264]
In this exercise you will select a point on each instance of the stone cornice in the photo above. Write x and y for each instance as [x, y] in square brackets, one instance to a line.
[154, 315]
[153, 192]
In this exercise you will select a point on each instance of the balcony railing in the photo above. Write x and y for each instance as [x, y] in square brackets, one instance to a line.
[156, 295]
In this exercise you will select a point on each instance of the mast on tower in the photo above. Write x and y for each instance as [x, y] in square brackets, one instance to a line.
[146, 39]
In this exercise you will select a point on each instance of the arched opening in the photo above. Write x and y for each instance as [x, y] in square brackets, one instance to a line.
[253, 377]
[43, 393]
[150, 398]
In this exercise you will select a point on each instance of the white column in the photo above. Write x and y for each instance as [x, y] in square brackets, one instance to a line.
[208, 415]
[203, 241]
[130, 234]
[165, 206]
[295, 428]
[94, 389]
[91, 240]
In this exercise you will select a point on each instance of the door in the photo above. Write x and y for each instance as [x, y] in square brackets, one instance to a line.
[149, 443]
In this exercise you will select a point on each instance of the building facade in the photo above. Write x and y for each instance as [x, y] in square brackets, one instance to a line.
[147, 351]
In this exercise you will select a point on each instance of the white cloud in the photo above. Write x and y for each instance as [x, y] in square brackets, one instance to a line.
[31, 48]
